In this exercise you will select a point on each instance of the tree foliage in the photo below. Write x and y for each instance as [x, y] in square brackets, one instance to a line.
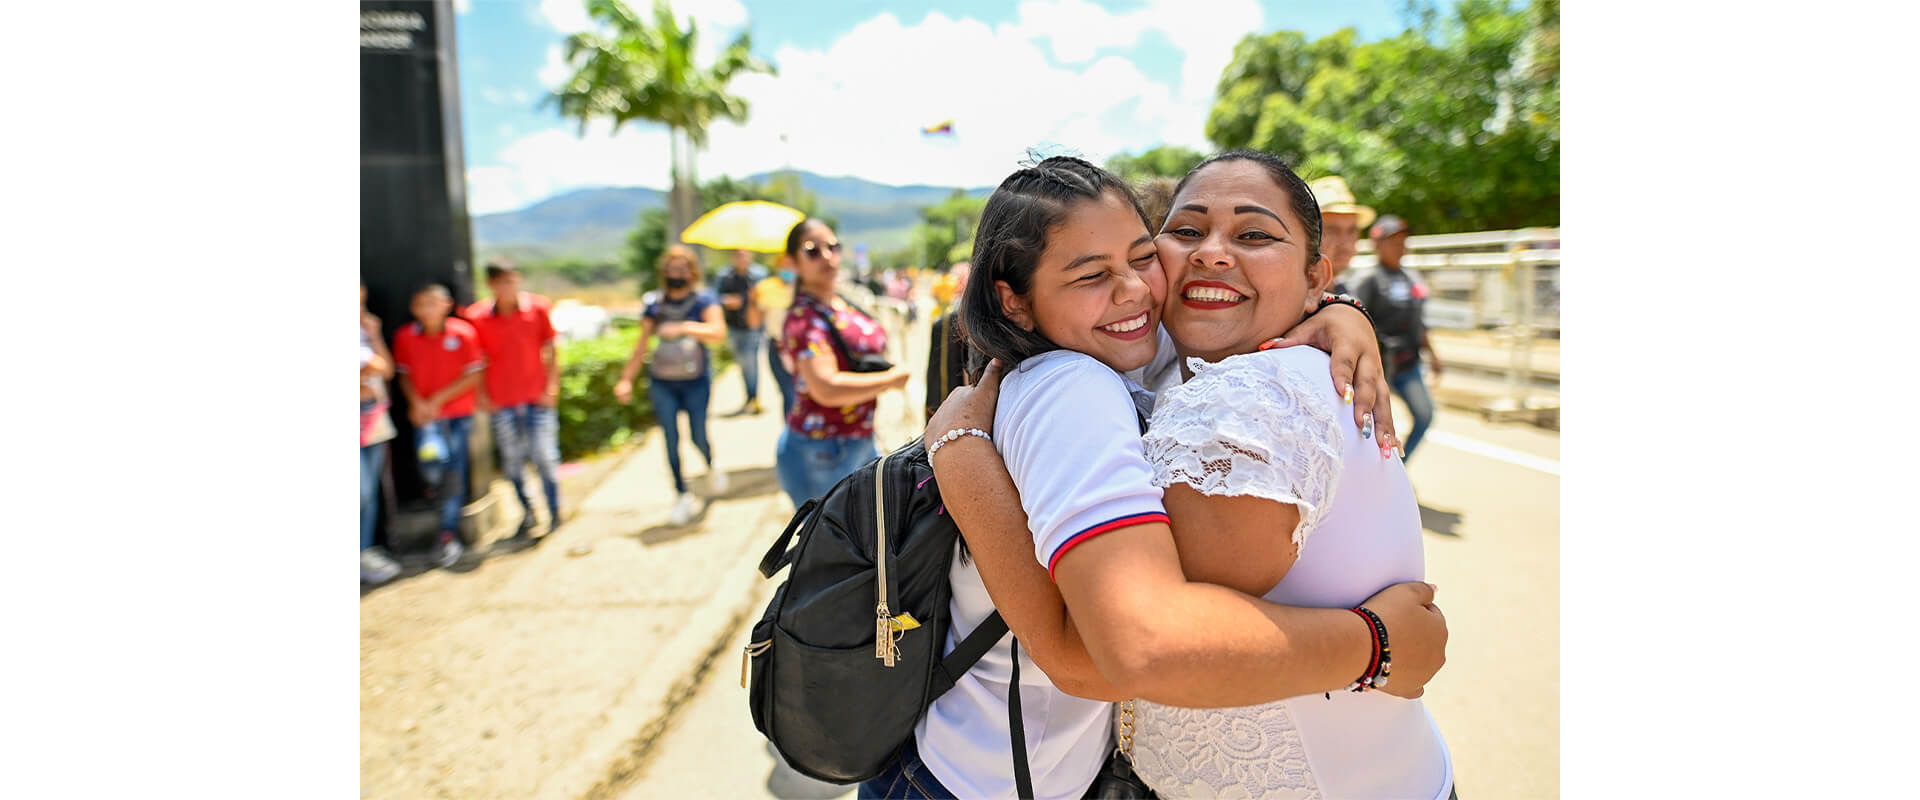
[1165, 161]
[633, 69]
[945, 233]
[1453, 124]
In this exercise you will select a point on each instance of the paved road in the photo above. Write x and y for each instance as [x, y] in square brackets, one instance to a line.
[1490, 503]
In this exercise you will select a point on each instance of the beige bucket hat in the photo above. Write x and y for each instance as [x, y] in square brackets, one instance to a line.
[1334, 197]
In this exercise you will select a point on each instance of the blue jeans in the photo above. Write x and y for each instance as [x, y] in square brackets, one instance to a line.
[449, 475]
[372, 458]
[809, 467]
[907, 777]
[780, 376]
[669, 399]
[1411, 385]
[530, 432]
[746, 352]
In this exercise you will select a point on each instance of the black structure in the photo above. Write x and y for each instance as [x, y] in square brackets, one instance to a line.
[414, 228]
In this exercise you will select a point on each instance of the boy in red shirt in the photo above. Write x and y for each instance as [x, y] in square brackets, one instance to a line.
[522, 386]
[440, 365]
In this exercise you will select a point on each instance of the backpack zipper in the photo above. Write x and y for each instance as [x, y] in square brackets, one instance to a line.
[883, 639]
[746, 658]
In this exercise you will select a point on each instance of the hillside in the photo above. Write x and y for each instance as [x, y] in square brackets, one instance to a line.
[593, 223]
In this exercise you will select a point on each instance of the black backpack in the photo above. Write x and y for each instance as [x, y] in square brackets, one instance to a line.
[834, 681]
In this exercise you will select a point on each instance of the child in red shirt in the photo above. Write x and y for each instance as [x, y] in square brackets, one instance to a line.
[440, 365]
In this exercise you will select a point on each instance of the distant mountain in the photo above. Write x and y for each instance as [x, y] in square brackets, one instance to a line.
[594, 223]
[584, 222]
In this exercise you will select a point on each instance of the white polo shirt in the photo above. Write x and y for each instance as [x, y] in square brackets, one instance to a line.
[1067, 428]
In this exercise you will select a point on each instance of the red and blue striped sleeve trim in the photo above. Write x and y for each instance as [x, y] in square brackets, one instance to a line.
[1110, 525]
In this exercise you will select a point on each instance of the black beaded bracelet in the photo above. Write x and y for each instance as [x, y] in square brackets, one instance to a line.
[1343, 300]
[1382, 667]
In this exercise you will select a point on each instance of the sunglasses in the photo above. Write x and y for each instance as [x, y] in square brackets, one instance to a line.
[813, 251]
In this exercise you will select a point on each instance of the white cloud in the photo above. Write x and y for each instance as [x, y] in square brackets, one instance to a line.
[542, 164]
[1076, 28]
[555, 71]
[570, 16]
[857, 106]
[461, 7]
[1205, 32]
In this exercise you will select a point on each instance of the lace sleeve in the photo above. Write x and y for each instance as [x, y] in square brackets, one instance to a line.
[1249, 426]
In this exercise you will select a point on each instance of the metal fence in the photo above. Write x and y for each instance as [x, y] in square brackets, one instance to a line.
[1508, 281]
[1488, 279]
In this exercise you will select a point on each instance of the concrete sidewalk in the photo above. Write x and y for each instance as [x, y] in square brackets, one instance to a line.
[548, 673]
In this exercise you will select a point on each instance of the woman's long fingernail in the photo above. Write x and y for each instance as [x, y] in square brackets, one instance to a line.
[1366, 428]
[1348, 396]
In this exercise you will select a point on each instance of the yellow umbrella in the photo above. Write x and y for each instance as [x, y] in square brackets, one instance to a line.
[746, 225]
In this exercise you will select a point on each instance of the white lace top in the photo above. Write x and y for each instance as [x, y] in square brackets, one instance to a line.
[1269, 425]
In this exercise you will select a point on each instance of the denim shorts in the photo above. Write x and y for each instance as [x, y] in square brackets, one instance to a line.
[808, 467]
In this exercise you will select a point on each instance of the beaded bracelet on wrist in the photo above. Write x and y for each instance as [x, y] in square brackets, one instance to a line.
[1343, 300]
[951, 435]
[1382, 666]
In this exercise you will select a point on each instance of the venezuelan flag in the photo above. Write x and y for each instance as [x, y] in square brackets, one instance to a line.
[944, 128]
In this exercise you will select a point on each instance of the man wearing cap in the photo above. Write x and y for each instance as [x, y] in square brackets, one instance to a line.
[1341, 218]
[521, 387]
[1397, 298]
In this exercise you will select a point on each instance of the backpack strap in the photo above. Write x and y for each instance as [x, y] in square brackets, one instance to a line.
[778, 555]
[1016, 724]
[965, 655]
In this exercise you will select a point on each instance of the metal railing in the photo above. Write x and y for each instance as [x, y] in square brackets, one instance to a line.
[1488, 279]
[1508, 281]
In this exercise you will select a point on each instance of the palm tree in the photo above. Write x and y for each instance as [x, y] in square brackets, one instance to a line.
[637, 71]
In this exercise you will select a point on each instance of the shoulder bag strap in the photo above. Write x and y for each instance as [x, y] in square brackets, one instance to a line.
[826, 315]
[1016, 723]
[966, 654]
[946, 334]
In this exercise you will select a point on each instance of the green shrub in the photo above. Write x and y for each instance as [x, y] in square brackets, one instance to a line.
[591, 419]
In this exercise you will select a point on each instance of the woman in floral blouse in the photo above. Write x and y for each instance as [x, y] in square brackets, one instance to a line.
[830, 429]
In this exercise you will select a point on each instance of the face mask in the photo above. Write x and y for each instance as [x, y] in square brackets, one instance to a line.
[786, 276]
[676, 283]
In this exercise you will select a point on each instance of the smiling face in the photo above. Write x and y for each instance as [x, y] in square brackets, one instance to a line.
[1236, 262]
[1097, 288]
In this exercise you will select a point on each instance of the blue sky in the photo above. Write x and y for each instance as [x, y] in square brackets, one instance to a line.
[860, 78]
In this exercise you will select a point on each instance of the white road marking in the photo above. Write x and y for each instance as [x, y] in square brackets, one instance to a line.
[1496, 452]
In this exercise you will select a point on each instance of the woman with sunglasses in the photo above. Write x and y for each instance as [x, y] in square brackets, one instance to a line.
[830, 429]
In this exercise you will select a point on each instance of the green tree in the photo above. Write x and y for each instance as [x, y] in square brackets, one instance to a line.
[636, 70]
[1165, 161]
[1453, 124]
[945, 233]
